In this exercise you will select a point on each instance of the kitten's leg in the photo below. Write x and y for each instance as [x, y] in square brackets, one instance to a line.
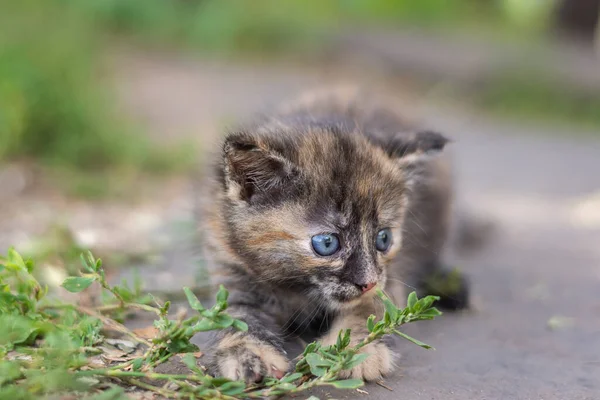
[250, 355]
[379, 362]
[425, 235]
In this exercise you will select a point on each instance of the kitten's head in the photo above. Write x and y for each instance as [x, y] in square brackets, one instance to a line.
[320, 210]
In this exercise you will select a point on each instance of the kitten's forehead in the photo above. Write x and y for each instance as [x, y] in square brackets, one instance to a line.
[351, 178]
[335, 156]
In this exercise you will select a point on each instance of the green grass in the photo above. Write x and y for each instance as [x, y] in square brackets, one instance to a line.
[55, 107]
[274, 26]
[223, 27]
[50, 349]
[532, 96]
[235, 27]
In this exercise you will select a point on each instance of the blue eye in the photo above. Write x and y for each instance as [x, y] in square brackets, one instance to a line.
[326, 244]
[384, 239]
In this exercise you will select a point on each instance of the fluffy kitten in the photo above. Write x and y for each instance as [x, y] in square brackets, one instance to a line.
[311, 209]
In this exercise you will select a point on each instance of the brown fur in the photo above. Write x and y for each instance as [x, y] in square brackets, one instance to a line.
[332, 162]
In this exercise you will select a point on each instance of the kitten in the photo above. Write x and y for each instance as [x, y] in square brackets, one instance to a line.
[310, 211]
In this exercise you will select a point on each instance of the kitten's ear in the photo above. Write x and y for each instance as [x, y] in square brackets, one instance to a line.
[419, 143]
[252, 171]
[417, 156]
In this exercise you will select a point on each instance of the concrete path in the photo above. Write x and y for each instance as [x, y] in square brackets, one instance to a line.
[535, 330]
[468, 58]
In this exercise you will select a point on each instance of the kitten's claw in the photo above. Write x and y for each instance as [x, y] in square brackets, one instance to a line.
[377, 365]
[243, 357]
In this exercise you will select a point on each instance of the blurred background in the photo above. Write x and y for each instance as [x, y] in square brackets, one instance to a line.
[107, 107]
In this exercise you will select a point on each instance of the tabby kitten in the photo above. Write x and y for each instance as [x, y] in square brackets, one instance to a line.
[312, 209]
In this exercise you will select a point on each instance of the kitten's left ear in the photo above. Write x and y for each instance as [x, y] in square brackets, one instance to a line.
[419, 143]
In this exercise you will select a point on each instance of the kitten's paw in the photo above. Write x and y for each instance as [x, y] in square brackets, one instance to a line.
[452, 287]
[378, 364]
[242, 357]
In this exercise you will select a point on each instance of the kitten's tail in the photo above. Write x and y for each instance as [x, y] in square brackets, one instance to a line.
[471, 232]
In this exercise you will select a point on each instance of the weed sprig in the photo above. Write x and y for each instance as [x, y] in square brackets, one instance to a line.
[48, 347]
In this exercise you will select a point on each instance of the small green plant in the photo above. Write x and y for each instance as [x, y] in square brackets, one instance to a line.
[48, 347]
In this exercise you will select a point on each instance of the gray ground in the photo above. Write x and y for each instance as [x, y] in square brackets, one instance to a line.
[541, 271]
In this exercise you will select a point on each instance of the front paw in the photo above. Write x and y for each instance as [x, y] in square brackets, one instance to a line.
[241, 356]
[378, 364]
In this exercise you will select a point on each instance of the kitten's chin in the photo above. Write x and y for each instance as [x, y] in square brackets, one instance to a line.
[346, 305]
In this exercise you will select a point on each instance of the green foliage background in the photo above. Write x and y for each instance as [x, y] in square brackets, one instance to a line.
[57, 106]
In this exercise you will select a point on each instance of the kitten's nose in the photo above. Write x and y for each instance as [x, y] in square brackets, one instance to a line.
[366, 287]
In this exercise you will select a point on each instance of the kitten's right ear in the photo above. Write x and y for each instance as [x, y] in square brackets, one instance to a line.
[421, 142]
[252, 171]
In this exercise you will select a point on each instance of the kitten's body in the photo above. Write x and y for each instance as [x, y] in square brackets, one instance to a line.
[333, 162]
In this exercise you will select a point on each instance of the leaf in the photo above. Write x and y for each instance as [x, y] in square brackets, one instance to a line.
[310, 348]
[165, 309]
[318, 365]
[318, 371]
[88, 267]
[390, 307]
[232, 388]
[412, 300]
[223, 321]
[16, 258]
[218, 381]
[15, 329]
[205, 325]
[379, 326]
[371, 323]
[9, 371]
[355, 360]
[77, 284]
[29, 265]
[387, 318]
[137, 364]
[193, 300]
[316, 359]
[222, 294]
[346, 340]
[430, 313]
[428, 301]
[347, 384]
[338, 342]
[413, 340]
[181, 346]
[270, 381]
[240, 325]
[286, 386]
[191, 361]
[291, 378]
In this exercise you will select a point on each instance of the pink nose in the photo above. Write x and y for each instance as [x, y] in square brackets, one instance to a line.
[367, 287]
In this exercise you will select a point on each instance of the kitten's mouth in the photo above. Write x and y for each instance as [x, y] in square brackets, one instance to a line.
[345, 293]
[357, 291]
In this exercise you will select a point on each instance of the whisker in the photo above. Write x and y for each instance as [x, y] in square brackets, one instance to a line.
[295, 316]
[402, 282]
[307, 320]
[416, 221]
